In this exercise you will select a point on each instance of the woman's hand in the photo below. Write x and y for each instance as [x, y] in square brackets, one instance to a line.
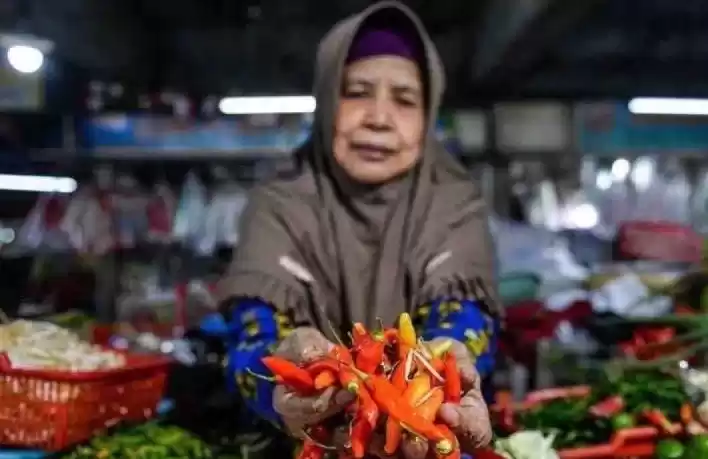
[304, 345]
[469, 420]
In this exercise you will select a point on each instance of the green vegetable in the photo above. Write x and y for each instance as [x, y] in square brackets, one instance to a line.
[148, 441]
[697, 447]
[623, 421]
[669, 449]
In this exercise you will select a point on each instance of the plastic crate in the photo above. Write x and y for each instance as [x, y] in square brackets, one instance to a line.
[635, 442]
[52, 410]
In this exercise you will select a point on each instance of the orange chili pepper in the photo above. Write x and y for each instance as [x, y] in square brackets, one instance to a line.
[289, 374]
[428, 406]
[658, 419]
[325, 364]
[453, 384]
[367, 415]
[417, 389]
[455, 453]
[325, 379]
[686, 413]
[391, 402]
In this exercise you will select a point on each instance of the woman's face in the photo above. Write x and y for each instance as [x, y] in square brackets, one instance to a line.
[380, 120]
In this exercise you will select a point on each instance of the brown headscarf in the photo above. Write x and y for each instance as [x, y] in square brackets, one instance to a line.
[321, 248]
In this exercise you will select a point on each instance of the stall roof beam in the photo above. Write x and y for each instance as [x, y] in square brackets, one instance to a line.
[514, 33]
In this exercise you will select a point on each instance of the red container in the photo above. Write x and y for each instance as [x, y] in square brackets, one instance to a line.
[52, 410]
[636, 442]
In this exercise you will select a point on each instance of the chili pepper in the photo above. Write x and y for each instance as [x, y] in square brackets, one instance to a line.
[359, 333]
[453, 384]
[291, 375]
[406, 331]
[325, 379]
[312, 447]
[348, 380]
[324, 364]
[658, 419]
[607, 407]
[341, 354]
[369, 355]
[417, 389]
[427, 407]
[365, 420]
[455, 453]
[277, 379]
[686, 413]
[391, 402]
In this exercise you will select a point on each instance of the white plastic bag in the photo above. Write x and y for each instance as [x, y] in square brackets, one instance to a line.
[189, 218]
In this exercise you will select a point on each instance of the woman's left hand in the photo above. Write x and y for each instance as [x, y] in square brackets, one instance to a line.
[469, 420]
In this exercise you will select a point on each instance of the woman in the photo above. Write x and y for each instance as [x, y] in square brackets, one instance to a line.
[375, 220]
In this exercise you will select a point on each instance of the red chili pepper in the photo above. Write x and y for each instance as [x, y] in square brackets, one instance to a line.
[369, 355]
[608, 407]
[453, 383]
[311, 450]
[391, 402]
[364, 423]
[289, 374]
[312, 445]
[658, 419]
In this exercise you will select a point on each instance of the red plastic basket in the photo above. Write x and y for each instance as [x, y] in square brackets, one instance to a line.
[52, 410]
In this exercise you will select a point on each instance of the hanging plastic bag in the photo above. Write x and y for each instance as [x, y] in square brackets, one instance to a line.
[189, 218]
[236, 200]
[129, 212]
[31, 232]
[160, 214]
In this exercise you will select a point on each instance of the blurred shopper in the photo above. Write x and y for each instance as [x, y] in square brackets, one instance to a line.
[375, 219]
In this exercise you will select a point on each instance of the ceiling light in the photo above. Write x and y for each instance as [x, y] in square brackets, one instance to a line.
[37, 183]
[25, 59]
[668, 106]
[265, 105]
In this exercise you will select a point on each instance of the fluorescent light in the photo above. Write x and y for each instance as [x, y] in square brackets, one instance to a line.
[25, 59]
[263, 105]
[668, 106]
[37, 183]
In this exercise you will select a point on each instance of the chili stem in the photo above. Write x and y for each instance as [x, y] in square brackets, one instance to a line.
[270, 379]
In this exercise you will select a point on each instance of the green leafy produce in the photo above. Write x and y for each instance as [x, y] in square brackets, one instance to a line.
[574, 426]
[569, 420]
[669, 449]
[148, 441]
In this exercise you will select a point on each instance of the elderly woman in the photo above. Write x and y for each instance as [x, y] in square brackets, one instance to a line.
[376, 219]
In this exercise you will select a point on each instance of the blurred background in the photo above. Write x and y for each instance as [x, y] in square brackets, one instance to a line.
[131, 132]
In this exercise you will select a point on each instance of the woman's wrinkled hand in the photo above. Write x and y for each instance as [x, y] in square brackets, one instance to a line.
[469, 420]
[304, 345]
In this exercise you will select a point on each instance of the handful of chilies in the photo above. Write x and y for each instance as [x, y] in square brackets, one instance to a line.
[391, 372]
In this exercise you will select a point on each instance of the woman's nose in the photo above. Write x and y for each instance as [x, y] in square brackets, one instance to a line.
[378, 116]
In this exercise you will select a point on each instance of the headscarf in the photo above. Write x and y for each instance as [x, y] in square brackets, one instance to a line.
[322, 248]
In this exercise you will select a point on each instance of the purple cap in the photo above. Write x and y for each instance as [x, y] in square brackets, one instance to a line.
[372, 42]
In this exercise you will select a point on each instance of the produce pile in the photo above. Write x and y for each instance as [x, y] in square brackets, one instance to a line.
[392, 373]
[148, 441]
[641, 397]
[41, 345]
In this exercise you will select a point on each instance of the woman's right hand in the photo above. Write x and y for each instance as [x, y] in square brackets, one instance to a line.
[304, 345]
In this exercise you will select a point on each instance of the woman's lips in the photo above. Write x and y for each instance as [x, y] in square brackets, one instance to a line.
[371, 152]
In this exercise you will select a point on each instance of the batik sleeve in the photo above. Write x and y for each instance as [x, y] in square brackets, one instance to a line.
[465, 321]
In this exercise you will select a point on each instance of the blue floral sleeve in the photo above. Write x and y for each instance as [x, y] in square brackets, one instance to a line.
[463, 321]
[252, 329]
